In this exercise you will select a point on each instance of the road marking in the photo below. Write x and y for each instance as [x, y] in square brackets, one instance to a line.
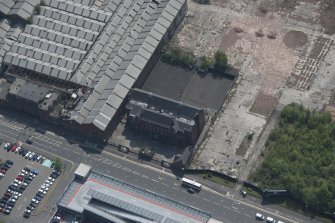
[154, 180]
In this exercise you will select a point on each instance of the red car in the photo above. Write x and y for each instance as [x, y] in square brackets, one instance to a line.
[20, 178]
[3, 171]
[14, 148]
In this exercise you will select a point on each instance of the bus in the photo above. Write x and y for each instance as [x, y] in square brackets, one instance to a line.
[190, 183]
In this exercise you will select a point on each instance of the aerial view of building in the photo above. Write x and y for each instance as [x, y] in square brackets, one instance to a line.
[171, 111]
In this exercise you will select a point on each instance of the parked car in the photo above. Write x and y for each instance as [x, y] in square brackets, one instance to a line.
[18, 149]
[26, 213]
[7, 145]
[34, 171]
[14, 147]
[6, 211]
[38, 198]
[10, 162]
[27, 155]
[259, 216]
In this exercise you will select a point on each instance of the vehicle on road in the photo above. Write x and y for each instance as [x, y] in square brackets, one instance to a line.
[190, 183]
[260, 216]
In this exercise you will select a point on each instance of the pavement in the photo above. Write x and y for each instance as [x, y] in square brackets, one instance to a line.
[220, 202]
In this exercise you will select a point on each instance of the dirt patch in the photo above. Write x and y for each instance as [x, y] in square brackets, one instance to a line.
[327, 18]
[295, 39]
[229, 39]
[263, 104]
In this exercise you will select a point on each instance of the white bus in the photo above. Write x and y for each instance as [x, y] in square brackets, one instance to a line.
[190, 183]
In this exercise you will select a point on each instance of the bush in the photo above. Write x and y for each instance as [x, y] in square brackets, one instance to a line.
[206, 63]
[58, 165]
[178, 56]
[220, 62]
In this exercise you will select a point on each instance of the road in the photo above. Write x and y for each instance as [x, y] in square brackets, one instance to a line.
[225, 207]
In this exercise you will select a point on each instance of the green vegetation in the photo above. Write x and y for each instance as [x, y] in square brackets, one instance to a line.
[216, 178]
[206, 63]
[178, 56]
[29, 20]
[184, 58]
[58, 164]
[301, 158]
[220, 62]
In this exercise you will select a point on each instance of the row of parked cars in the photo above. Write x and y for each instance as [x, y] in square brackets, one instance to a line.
[40, 193]
[16, 189]
[4, 167]
[16, 148]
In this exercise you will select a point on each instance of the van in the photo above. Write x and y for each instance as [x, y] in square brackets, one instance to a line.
[259, 216]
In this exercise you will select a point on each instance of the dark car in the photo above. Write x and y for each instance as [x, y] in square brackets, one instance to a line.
[10, 162]
[27, 169]
[40, 194]
[20, 190]
[26, 213]
[6, 211]
[11, 203]
[34, 157]
[23, 187]
[12, 187]
[27, 181]
[29, 141]
[7, 165]
[4, 168]
[33, 204]
[24, 152]
[5, 199]
[8, 194]
[2, 205]
[2, 171]
[37, 198]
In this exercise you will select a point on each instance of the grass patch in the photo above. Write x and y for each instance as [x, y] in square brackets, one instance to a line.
[252, 192]
[218, 179]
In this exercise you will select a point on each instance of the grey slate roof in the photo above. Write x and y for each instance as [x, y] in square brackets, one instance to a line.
[59, 37]
[120, 54]
[6, 5]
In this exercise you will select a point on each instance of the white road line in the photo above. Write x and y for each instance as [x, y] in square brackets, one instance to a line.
[154, 180]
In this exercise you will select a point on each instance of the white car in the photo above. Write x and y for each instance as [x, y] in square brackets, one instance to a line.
[42, 191]
[15, 185]
[15, 197]
[27, 155]
[270, 220]
[48, 182]
[2, 175]
[259, 216]
[51, 179]
[17, 149]
[35, 201]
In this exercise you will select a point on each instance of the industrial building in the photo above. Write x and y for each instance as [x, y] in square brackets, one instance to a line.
[99, 49]
[164, 118]
[107, 200]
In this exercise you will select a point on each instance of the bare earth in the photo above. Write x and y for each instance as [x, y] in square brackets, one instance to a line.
[285, 52]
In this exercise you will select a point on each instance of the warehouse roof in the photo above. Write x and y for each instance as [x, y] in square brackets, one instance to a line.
[113, 199]
[120, 54]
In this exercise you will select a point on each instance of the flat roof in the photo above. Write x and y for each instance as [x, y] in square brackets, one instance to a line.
[83, 170]
[117, 199]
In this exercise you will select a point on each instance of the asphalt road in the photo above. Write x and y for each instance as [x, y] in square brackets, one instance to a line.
[225, 207]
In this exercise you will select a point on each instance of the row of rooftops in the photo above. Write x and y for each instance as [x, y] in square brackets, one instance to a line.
[103, 45]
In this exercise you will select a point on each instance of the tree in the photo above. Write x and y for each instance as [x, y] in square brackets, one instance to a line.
[220, 62]
[58, 164]
[206, 63]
